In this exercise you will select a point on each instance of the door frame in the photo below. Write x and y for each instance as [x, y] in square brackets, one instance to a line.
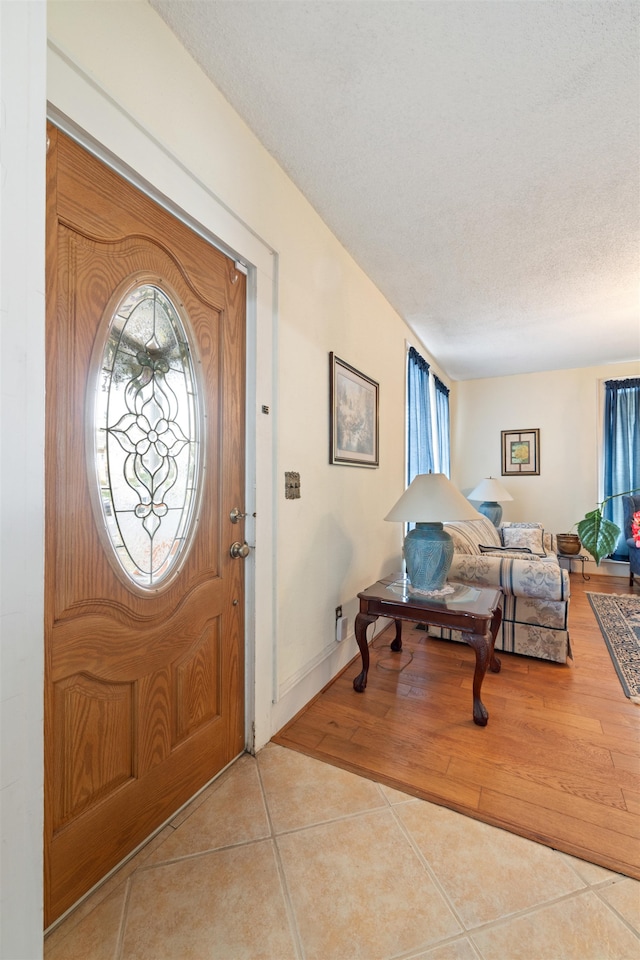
[180, 192]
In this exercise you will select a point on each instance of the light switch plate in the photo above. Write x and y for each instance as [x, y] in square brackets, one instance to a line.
[291, 485]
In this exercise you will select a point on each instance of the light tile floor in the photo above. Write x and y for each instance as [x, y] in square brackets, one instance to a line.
[287, 858]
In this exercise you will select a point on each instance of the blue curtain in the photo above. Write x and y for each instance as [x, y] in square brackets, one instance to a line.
[442, 421]
[621, 449]
[419, 442]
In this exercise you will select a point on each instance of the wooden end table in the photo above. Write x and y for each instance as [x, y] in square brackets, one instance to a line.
[475, 611]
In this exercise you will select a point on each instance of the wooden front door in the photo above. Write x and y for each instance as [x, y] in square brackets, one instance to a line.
[144, 632]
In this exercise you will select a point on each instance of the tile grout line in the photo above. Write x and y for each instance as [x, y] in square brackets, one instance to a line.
[419, 952]
[615, 877]
[443, 941]
[293, 923]
[430, 871]
[530, 911]
[199, 854]
[627, 923]
[123, 918]
[323, 823]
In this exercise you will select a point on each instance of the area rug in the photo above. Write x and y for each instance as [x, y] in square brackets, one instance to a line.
[618, 617]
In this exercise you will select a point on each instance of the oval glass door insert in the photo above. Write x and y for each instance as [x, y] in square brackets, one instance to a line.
[147, 436]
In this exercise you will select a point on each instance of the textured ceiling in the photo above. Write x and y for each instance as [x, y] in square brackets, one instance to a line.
[478, 159]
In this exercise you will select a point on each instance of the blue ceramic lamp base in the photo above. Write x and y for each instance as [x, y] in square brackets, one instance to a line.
[493, 510]
[428, 552]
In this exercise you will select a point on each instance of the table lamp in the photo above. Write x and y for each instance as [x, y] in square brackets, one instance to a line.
[490, 491]
[429, 500]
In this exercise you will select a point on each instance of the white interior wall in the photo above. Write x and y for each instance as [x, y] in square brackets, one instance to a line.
[22, 169]
[566, 406]
[321, 549]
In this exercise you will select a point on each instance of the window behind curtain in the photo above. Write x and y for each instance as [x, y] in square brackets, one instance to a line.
[442, 425]
[419, 432]
[621, 449]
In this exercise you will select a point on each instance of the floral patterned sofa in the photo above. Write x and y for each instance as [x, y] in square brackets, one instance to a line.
[521, 560]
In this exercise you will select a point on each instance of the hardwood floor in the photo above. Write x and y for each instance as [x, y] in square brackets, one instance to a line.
[558, 762]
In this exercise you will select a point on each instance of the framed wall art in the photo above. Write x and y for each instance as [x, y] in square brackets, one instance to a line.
[354, 403]
[520, 453]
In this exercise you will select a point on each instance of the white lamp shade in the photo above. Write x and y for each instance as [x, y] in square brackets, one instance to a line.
[490, 489]
[432, 498]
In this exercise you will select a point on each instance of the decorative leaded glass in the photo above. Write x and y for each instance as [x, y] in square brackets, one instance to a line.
[147, 429]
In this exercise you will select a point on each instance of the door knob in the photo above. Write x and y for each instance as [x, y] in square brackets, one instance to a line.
[239, 550]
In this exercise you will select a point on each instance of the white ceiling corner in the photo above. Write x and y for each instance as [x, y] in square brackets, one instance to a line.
[479, 159]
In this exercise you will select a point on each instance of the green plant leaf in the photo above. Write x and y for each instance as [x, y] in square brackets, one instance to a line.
[597, 535]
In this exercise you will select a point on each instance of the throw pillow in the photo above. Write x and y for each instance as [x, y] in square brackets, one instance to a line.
[496, 550]
[531, 537]
[528, 524]
[520, 526]
[504, 553]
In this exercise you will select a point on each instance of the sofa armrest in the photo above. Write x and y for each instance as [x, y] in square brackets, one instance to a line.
[534, 578]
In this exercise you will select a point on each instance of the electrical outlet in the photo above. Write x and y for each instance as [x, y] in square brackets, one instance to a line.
[338, 612]
[342, 624]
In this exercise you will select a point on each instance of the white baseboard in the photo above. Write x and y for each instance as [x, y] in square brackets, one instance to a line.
[607, 568]
[296, 691]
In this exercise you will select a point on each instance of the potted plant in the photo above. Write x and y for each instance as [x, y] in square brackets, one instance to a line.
[568, 544]
[597, 534]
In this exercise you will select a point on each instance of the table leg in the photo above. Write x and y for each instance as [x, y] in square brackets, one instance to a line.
[396, 645]
[482, 645]
[362, 622]
[494, 662]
